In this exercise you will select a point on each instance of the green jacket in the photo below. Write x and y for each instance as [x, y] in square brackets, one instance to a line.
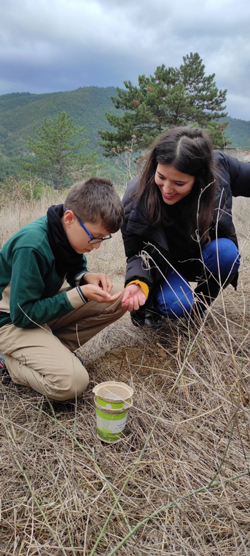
[29, 283]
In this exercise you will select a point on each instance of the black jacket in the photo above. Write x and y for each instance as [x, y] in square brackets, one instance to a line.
[147, 248]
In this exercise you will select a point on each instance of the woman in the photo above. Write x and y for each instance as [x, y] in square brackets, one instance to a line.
[179, 228]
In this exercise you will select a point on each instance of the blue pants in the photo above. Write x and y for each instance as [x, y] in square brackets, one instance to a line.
[219, 263]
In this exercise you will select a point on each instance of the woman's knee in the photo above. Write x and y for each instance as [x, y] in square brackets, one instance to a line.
[174, 303]
[221, 257]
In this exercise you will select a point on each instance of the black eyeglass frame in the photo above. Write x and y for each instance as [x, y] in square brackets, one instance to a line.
[92, 238]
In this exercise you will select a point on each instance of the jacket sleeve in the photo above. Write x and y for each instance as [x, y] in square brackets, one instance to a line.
[28, 308]
[236, 173]
[136, 268]
[134, 240]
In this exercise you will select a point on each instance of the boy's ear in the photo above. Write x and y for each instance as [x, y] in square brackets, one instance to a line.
[69, 217]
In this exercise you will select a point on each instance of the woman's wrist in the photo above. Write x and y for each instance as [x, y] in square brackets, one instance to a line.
[144, 287]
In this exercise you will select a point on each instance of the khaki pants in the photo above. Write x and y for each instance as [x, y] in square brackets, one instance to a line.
[42, 357]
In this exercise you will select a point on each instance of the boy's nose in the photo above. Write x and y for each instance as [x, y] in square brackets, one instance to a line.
[97, 245]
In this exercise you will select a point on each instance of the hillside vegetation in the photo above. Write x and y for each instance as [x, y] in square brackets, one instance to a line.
[22, 113]
[238, 132]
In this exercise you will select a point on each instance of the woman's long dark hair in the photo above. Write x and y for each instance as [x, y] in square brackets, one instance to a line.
[189, 150]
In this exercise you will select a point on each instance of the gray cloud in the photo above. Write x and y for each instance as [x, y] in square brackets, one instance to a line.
[52, 45]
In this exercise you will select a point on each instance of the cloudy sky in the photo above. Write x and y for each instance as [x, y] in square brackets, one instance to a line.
[60, 45]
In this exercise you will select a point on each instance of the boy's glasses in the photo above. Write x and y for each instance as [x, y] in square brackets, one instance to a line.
[92, 238]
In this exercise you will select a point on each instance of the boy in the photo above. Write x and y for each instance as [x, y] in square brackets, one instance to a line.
[40, 325]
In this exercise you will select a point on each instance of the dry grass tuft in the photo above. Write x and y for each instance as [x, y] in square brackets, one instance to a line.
[178, 483]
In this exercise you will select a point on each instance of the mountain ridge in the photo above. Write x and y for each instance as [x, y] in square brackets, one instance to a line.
[22, 113]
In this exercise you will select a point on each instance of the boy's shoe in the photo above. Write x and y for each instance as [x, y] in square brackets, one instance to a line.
[3, 368]
[2, 362]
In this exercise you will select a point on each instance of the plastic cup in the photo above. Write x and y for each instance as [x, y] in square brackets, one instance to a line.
[112, 402]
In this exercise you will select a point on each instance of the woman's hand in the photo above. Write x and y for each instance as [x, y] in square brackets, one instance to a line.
[96, 293]
[133, 297]
[98, 279]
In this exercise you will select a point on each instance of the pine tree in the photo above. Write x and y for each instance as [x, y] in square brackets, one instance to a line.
[57, 153]
[171, 97]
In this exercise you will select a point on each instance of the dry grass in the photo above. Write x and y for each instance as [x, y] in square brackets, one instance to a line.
[178, 483]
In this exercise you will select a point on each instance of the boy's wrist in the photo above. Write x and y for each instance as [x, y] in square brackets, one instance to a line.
[81, 294]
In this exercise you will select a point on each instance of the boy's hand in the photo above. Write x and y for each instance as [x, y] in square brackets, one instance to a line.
[133, 297]
[98, 279]
[96, 293]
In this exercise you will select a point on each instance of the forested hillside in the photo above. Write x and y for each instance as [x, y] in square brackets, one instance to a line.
[238, 132]
[22, 113]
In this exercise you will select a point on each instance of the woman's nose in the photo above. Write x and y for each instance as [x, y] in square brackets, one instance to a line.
[167, 185]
